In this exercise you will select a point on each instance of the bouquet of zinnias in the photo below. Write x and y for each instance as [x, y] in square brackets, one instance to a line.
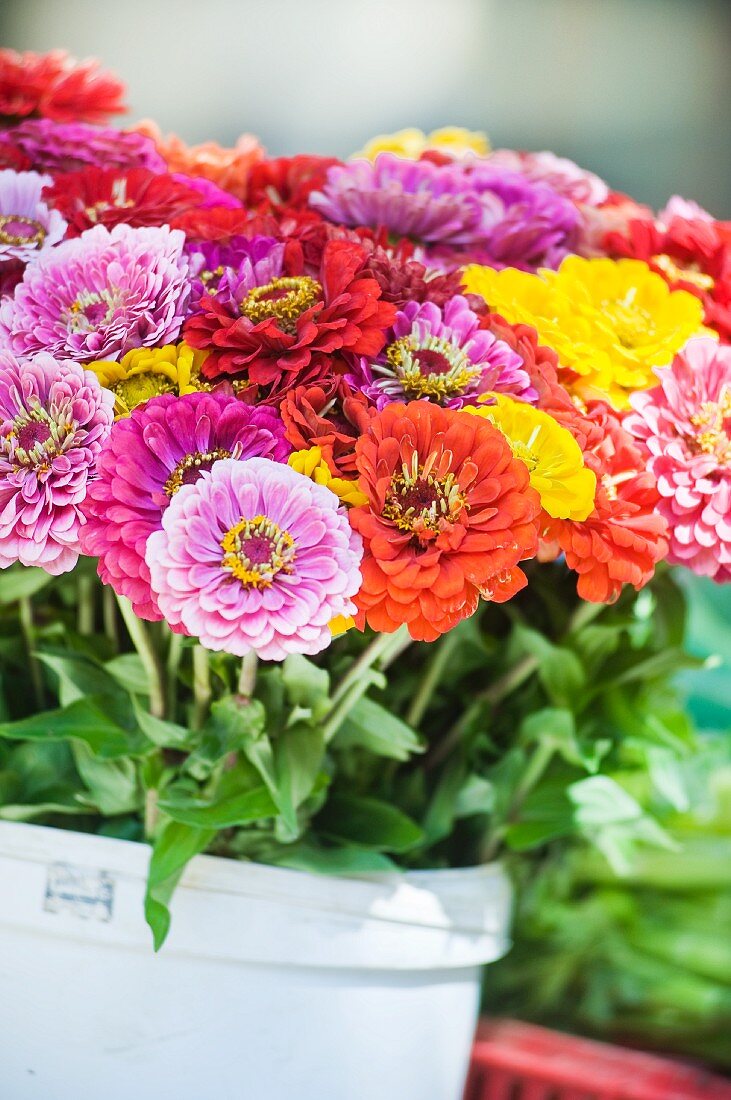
[296, 407]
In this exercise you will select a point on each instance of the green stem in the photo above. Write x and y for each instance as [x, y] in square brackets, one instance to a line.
[28, 630]
[537, 765]
[201, 686]
[109, 615]
[440, 659]
[85, 591]
[247, 675]
[175, 654]
[151, 813]
[147, 654]
[582, 615]
[384, 649]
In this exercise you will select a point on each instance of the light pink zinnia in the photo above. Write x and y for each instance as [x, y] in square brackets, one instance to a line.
[100, 295]
[685, 426]
[255, 556]
[561, 174]
[55, 418]
[28, 227]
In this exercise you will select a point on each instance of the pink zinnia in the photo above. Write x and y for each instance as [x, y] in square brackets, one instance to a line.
[28, 227]
[255, 556]
[165, 444]
[441, 355]
[55, 418]
[100, 295]
[69, 146]
[561, 174]
[685, 426]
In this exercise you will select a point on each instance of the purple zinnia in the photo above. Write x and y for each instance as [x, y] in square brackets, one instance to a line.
[441, 355]
[232, 267]
[55, 418]
[100, 295]
[70, 146]
[429, 202]
[164, 444]
[255, 556]
[27, 226]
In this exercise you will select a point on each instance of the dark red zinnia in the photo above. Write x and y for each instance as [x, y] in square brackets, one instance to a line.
[287, 182]
[329, 416]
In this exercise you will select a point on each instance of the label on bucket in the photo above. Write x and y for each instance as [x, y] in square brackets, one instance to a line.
[83, 891]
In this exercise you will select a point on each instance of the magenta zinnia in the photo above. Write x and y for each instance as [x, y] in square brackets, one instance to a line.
[255, 556]
[149, 456]
[684, 424]
[100, 295]
[55, 417]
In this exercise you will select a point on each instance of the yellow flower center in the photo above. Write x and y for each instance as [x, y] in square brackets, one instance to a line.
[138, 388]
[713, 421]
[256, 550]
[524, 453]
[93, 308]
[689, 273]
[430, 367]
[284, 299]
[422, 502]
[17, 230]
[632, 324]
[190, 468]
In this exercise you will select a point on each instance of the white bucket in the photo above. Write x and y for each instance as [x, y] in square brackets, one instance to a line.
[273, 984]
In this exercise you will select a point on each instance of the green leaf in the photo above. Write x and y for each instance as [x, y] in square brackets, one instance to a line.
[20, 581]
[94, 720]
[78, 676]
[370, 726]
[166, 735]
[369, 823]
[614, 821]
[226, 813]
[112, 783]
[130, 673]
[174, 848]
[334, 861]
[306, 685]
[556, 727]
[29, 811]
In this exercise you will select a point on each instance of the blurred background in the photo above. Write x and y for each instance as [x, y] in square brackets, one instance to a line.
[637, 90]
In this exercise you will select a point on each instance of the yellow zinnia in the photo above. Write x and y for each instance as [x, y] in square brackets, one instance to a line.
[454, 141]
[146, 372]
[609, 321]
[311, 463]
[553, 457]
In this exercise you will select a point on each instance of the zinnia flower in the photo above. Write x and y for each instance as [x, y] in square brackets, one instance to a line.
[27, 227]
[255, 556]
[441, 355]
[100, 295]
[553, 457]
[611, 322]
[228, 168]
[55, 418]
[329, 416]
[164, 444]
[69, 146]
[684, 429]
[286, 183]
[110, 196]
[624, 537]
[560, 174]
[311, 463]
[450, 515]
[54, 85]
[403, 279]
[148, 372]
[453, 141]
[277, 330]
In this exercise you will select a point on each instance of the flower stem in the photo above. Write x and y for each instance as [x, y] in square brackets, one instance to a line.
[109, 614]
[384, 649]
[429, 681]
[201, 686]
[537, 764]
[28, 630]
[247, 675]
[85, 606]
[175, 653]
[147, 654]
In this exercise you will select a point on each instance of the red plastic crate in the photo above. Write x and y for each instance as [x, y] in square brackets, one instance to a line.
[516, 1061]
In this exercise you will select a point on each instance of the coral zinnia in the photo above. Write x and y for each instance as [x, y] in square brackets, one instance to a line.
[100, 295]
[624, 537]
[611, 322]
[684, 427]
[450, 515]
[553, 457]
[441, 355]
[329, 416]
[27, 226]
[255, 556]
[55, 418]
[164, 444]
[148, 372]
[69, 146]
[110, 196]
[277, 330]
[228, 168]
[54, 85]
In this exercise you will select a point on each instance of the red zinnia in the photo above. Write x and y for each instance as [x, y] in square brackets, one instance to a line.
[624, 537]
[108, 196]
[287, 182]
[690, 254]
[54, 86]
[287, 331]
[329, 416]
[450, 514]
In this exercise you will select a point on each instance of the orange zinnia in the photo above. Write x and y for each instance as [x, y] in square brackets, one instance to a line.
[450, 514]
